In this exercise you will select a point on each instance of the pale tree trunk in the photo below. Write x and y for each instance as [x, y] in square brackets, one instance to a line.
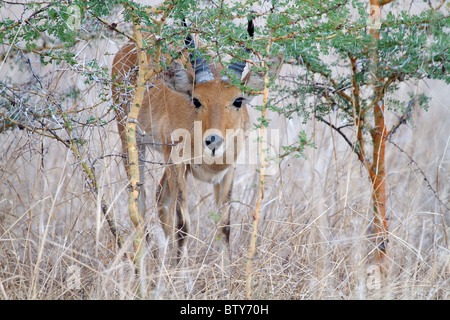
[146, 73]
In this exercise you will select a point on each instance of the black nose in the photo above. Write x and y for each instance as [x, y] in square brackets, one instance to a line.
[213, 141]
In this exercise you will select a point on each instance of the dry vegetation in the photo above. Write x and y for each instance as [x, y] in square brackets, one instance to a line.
[314, 238]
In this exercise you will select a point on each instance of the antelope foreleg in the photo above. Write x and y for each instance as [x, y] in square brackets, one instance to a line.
[172, 205]
[222, 193]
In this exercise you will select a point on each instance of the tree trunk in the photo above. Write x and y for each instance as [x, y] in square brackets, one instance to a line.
[377, 172]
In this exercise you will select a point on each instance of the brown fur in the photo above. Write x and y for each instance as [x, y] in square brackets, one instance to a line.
[168, 106]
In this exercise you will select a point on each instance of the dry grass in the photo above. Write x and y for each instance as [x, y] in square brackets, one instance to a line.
[314, 235]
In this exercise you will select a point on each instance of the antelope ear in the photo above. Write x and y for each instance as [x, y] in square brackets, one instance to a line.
[256, 81]
[178, 79]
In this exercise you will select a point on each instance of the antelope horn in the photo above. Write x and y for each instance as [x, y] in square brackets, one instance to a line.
[238, 67]
[202, 71]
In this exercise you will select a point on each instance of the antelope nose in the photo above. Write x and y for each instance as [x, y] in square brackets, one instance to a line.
[213, 141]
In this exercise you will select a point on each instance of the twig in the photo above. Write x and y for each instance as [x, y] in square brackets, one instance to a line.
[113, 26]
[262, 158]
[421, 172]
[27, 19]
[402, 119]
[429, 186]
[352, 145]
[123, 156]
[438, 7]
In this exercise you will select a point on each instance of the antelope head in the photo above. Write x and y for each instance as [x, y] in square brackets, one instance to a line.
[211, 100]
[212, 103]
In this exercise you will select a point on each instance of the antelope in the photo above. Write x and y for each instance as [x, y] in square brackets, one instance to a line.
[179, 99]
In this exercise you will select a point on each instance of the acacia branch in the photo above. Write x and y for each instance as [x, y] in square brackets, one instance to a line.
[402, 119]
[133, 157]
[113, 26]
[424, 177]
[145, 74]
[328, 76]
[360, 120]
[71, 144]
[355, 84]
[27, 20]
[338, 130]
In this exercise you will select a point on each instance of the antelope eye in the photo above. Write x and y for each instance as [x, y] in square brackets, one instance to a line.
[238, 102]
[196, 103]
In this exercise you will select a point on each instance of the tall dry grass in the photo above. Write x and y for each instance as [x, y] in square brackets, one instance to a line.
[314, 239]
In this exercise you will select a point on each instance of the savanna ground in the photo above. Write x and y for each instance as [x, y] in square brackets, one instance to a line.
[315, 234]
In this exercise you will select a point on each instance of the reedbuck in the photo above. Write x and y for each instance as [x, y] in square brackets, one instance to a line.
[200, 102]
